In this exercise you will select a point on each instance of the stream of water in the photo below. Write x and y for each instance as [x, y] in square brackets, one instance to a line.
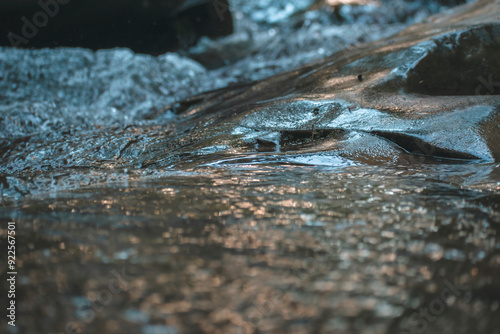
[136, 213]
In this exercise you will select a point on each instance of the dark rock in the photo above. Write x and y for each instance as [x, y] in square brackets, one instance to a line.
[294, 139]
[153, 26]
[464, 63]
[265, 145]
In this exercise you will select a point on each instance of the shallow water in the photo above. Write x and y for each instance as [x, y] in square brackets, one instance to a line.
[247, 248]
[229, 212]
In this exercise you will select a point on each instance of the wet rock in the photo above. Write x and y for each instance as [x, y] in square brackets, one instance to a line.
[462, 63]
[383, 103]
[379, 119]
[153, 26]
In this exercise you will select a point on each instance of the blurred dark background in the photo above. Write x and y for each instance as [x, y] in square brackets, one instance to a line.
[157, 26]
[145, 26]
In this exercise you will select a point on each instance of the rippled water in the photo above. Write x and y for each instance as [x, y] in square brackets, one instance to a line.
[223, 214]
[264, 248]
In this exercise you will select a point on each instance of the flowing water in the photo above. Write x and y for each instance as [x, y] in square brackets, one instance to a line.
[268, 207]
[281, 248]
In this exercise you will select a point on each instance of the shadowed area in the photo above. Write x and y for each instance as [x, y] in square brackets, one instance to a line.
[152, 26]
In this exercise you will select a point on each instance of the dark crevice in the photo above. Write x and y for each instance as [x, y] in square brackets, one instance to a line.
[418, 146]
